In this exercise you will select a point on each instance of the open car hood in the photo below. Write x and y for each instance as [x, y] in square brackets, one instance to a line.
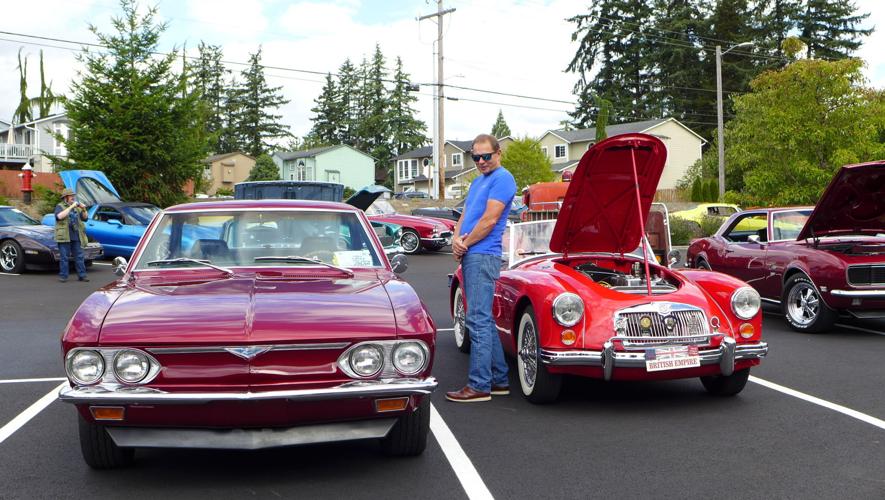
[90, 186]
[599, 211]
[851, 204]
[364, 198]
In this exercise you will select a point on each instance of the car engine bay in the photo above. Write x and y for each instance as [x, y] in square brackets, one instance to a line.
[629, 280]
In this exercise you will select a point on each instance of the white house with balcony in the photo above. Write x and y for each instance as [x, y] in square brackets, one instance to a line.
[22, 141]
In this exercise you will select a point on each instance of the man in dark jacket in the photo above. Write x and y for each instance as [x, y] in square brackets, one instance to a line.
[70, 234]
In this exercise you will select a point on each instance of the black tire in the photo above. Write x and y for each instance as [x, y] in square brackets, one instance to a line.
[703, 264]
[538, 385]
[408, 437]
[99, 450]
[459, 315]
[803, 306]
[12, 258]
[719, 385]
[410, 241]
[435, 247]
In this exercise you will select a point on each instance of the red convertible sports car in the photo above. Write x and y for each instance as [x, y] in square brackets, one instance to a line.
[287, 327]
[600, 305]
[816, 261]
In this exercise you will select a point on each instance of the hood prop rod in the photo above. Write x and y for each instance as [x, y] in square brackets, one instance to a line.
[641, 222]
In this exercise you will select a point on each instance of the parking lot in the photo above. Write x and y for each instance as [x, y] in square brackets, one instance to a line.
[810, 425]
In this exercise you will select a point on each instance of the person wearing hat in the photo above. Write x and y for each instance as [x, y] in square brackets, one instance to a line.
[70, 234]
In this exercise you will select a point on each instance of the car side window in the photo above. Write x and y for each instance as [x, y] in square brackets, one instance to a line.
[745, 226]
[105, 214]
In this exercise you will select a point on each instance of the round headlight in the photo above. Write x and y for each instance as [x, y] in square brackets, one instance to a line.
[86, 367]
[131, 367]
[745, 302]
[366, 360]
[568, 309]
[408, 358]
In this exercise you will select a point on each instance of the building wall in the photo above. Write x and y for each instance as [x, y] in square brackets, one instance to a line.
[226, 172]
[356, 169]
[683, 150]
[550, 142]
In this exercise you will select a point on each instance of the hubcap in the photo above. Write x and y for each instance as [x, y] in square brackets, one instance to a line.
[8, 257]
[528, 356]
[410, 242]
[803, 304]
[459, 319]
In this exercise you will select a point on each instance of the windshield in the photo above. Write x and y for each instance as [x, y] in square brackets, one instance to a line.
[528, 239]
[15, 217]
[380, 207]
[259, 239]
[90, 192]
[141, 215]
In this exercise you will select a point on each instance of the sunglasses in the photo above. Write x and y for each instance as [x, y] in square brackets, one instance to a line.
[484, 156]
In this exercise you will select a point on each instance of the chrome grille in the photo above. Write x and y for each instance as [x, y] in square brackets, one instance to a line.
[866, 275]
[690, 325]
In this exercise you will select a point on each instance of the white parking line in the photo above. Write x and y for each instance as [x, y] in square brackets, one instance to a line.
[445, 329]
[23, 380]
[19, 421]
[465, 471]
[863, 417]
[103, 263]
[9, 274]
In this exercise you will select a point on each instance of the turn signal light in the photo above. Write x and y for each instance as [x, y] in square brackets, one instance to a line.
[393, 404]
[569, 337]
[107, 412]
[747, 330]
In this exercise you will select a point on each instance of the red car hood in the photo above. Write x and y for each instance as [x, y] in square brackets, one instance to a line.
[410, 220]
[599, 212]
[853, 203]
[246, 310]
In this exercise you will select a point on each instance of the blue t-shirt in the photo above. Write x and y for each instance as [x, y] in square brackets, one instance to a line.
[498, 185]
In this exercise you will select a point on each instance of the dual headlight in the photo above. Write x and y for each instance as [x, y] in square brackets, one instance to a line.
[568, 309]
[745, 302]
[370, 359]
[128, 366]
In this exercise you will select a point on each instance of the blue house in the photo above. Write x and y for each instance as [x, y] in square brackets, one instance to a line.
[342, 164]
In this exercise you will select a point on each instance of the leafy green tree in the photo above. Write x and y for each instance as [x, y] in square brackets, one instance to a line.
[528, 164]
[829, 29]
[797, 127]
[132, 117]
[264, 170]
[209, 76]
[500, 128]
[255, 123]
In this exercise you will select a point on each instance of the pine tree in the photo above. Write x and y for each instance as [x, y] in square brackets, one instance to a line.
[254, 122]
[230, 136]
[774, 20]
[500, 128]
[675, 38]
[348, 91]
[406, 132]
[602, 118]
[209, 76]
[829, 28]
[328, 117]
[130, 115]
[373, 133]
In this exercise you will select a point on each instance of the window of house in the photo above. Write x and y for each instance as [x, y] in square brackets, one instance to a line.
[333, 176]
[559, 151]
[58, 146]
[414, 166]
[456, 159]
[303, 172]
[544, 150]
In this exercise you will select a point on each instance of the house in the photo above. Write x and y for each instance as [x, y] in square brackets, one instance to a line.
[222, 171]
[412, 170]
[342, 164]
[21, 142]
[565, 147]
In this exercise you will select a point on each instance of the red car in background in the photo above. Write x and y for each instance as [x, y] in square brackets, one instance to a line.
[583, 294]
[419, 232]
[817, 262]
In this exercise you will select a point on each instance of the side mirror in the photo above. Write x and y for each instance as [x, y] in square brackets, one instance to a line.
[120, 266]
[399, 263]
[673, 257]
[115, 222]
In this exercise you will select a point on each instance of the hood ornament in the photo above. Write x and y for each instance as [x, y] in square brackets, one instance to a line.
[248, 352]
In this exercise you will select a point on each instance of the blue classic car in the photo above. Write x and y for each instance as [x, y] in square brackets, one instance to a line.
[116, 224]
[24, 242]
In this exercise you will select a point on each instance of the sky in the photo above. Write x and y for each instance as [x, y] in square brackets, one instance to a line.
[512, 47]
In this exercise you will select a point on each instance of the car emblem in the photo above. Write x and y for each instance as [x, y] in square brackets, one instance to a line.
[249, 352]
[664, 308]
[670, 322]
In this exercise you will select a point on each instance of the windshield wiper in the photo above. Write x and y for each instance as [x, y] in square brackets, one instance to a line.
[180, 260]
[298, 258]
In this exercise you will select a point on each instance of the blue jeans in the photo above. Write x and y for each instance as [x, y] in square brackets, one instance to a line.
[64, 256]
[487, 365]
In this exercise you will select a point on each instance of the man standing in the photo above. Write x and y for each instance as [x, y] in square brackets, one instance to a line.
[70, 234]
[477, 245]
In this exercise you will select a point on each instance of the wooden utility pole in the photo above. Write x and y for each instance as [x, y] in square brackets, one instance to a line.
[439, 138]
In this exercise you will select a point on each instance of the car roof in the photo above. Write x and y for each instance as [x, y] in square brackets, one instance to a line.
[269, 204]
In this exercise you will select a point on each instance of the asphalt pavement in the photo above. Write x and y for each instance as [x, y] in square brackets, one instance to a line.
[622, 440]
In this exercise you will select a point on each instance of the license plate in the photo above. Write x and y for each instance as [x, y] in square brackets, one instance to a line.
[672, 358]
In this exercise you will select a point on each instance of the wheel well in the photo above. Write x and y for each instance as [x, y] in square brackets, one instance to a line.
[455, 284]
[794, 271]
[520, 308]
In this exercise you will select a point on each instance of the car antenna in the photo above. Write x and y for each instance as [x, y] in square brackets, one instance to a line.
[641, 222]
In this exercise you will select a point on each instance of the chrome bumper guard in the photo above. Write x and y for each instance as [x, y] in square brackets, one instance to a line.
[725, 356]
[147, 395]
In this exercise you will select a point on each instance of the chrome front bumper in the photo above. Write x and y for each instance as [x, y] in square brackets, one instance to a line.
[725, 356]
[859, 294]
[147, 395]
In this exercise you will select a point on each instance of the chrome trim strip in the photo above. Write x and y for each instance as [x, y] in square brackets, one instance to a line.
[250, 439]
[722, 355]
[858, 293]
[146, 395]
[278, 347]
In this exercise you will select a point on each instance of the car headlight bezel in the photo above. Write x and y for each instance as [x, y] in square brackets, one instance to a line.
[370, 349]
[568, 309]
[143, 361]
[746, 302]
[75, 375]
[415, 348]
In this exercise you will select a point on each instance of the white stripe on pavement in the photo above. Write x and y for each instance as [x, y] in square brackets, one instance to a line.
[103, 263]
[445, 329]
[460, 462]
[19, 421]
[23, 380]
[9, 274]
[863, 417]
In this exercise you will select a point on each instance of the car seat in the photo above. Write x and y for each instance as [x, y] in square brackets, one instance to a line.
[211, 249]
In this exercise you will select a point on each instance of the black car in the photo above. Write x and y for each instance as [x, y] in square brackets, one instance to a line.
[26, 242]
[408, 195]
[454, 213]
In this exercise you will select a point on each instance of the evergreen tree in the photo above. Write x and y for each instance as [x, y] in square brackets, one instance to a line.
[230, 135]
[131, 117]
[675, 38]
[773, 21]
[209, 76]
[22, 113]
[406, 132]
[264, 170]
[373, 131]
[348, 90]
[500, 128]
[328, 116]
[602, 117]
[829, 28]
[255, 123]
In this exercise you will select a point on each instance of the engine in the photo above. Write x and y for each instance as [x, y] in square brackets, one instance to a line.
[632, 282]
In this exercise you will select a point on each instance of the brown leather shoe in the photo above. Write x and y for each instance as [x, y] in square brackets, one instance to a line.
[500, 390]
[468, 395]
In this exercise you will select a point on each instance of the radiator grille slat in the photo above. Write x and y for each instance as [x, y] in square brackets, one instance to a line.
[688, 323]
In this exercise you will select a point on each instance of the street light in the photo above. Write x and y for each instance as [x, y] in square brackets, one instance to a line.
[719, 127]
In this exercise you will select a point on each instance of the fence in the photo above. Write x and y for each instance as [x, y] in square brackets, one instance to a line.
[11, 184]
[669, 195]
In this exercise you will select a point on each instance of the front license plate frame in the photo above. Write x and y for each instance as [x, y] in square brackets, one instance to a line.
[672, 358]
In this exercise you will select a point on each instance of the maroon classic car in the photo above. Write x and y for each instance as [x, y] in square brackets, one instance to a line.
[817, 261]
[583, 294]
[283, 324]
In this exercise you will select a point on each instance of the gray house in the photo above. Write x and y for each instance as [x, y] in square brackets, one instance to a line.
[342, 164]
[33, 139]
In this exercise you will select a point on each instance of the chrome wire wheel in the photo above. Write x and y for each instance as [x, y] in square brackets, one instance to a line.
[527, 359]
[803, 304]
[462, 337]
[10, 257]
[410, 241]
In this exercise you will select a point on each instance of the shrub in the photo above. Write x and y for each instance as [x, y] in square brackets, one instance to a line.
[682, 231]
[710, 224]
[48, 198]
[712, 190]
[224, 192]
[348, 192]
[696, 190]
